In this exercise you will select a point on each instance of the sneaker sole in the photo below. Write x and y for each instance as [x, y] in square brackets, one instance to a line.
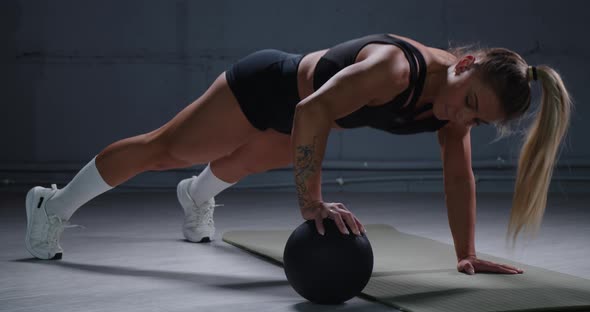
[203, 239]
[30, 205]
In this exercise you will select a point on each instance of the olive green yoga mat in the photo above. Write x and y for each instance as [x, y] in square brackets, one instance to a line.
[417, 274]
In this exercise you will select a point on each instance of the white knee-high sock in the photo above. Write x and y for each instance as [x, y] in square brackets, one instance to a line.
[86, 185]
[206, 185]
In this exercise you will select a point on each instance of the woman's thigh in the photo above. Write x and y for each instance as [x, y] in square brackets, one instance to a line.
[265, 151]
[209, 128]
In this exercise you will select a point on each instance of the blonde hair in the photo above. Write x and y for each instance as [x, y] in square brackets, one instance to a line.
[538, 154]
[510, 77]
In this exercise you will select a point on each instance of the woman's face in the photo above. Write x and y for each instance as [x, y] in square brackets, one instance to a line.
[465, 99]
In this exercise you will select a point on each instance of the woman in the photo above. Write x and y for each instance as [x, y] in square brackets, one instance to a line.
[273, 108]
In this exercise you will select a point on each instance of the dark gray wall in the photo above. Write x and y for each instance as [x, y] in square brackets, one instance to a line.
[78, 75]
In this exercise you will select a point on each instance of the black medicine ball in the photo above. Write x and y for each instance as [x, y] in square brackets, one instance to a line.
[328, 269]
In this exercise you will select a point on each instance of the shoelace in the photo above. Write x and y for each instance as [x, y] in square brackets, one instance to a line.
[54, 231]
[202, 215]
[57, 226]
[199, 214]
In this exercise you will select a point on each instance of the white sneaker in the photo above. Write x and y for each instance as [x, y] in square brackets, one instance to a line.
[43, 229]
[198, 223]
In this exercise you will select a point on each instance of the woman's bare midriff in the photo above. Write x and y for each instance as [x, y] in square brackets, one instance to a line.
[308, 64]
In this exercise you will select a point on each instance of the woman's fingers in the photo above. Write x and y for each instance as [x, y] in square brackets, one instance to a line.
[350, 220]
[501, 269]
[468, 268]
[509, 267]
[339, 222]
[319, 224]
[343, 218]
[360, 225]
[494, 267]
[479, 265]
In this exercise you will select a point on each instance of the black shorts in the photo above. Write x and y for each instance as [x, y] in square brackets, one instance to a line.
[265, 84]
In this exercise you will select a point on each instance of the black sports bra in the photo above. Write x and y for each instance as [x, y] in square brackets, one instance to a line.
[392, 117]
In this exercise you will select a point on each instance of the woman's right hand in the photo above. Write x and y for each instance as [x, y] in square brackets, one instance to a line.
[320, 210]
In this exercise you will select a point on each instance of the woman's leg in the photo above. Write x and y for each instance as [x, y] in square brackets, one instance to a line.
[268, 150]
[209, 128]
[265, 151]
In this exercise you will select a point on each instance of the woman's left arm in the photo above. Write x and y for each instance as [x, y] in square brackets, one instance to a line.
[459, 186]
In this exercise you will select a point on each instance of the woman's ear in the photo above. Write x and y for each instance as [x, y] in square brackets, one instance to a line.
[464, 64]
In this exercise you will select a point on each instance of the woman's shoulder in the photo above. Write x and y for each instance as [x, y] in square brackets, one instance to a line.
[432, 55]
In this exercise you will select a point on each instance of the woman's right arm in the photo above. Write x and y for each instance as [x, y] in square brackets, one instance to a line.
[376, 79]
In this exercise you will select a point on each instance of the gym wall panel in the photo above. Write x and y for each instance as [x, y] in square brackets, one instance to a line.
[80, 75]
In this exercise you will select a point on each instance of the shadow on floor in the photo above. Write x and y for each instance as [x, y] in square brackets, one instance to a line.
[202, 279]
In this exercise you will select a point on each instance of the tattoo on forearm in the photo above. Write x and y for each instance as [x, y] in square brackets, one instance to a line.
[304, 168]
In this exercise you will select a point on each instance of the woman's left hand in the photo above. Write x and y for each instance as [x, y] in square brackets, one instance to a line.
[471, 265]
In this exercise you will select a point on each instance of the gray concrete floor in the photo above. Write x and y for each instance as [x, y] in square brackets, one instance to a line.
[132, 257]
